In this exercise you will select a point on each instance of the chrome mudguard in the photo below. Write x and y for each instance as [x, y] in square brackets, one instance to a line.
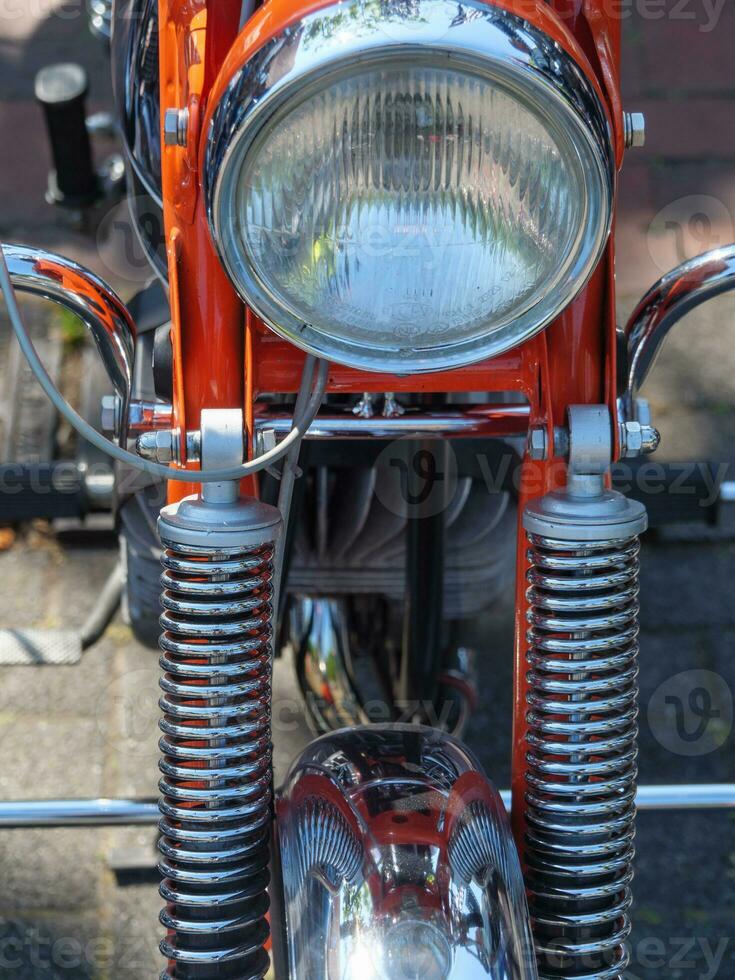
[398, 862]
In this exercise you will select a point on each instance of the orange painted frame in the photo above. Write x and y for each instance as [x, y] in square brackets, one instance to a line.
[194, 36]
[225, 357]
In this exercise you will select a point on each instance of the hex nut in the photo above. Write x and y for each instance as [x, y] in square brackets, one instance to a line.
[164, 445]
[537, 443]
[175, 126]
[633, 438]
[637, 439]
[158, 445]
[110, 413]
[635, 130]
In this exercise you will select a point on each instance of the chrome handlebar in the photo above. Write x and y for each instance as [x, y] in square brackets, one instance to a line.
[671, 298]
[84, 294]
[88, 297]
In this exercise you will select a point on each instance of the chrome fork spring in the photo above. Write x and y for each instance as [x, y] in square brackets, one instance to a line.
[216, 760]
[582, 748]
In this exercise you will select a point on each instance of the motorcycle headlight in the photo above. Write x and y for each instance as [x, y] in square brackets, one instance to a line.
[409, 187]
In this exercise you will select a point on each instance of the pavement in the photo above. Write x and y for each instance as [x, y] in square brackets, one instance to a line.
[72, 904]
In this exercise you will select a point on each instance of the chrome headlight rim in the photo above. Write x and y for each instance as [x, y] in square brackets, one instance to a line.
[287, 68]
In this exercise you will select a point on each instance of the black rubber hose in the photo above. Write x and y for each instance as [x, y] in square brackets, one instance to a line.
[108, 603]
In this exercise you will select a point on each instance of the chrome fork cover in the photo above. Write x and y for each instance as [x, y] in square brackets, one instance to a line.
[398, 862]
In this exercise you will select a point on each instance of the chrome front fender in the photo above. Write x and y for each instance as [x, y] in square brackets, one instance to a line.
[398, 863]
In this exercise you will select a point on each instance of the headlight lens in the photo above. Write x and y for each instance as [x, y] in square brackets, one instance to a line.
[414, 213]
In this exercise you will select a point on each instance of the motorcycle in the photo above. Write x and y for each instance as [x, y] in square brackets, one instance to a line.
[382, 241]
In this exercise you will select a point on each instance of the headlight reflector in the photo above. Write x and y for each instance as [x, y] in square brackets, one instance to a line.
[423, 206]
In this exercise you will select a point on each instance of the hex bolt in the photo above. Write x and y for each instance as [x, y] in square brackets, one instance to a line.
[364, 408]
[193, 446]
[538, 443]
[635, 129]
[642, 411]
[162, 446]
[175, 127]
[561, 441]
[392, 408]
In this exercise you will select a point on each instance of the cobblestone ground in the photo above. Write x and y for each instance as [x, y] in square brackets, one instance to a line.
[90, 730]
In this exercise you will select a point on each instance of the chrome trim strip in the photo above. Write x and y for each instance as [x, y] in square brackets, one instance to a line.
[77, 813]
[709, 796]
[135, 74]
[88, 297]
[104, 812]
[483, 421]
[345, 37]
[677, 293]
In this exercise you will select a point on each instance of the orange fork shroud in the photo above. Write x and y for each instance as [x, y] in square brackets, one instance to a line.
[224, 356]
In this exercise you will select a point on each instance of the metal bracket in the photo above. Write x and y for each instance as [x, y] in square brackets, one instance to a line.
[585, 506]
[221, 431]
[637, 437]
[590, 441]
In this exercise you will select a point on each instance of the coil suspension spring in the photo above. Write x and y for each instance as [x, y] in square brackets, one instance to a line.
[216, 743]
[582, 747]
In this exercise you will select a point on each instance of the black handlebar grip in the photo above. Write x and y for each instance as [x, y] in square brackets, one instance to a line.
[61, 91]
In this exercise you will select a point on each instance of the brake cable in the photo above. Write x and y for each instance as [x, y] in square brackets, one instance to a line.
[303, 417]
